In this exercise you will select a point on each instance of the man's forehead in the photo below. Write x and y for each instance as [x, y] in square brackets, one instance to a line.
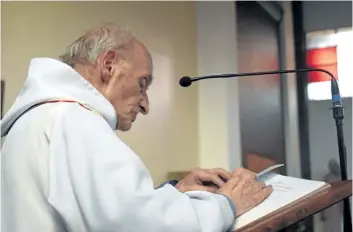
[141, 54]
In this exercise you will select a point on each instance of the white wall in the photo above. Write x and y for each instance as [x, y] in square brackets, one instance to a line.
[219, 138]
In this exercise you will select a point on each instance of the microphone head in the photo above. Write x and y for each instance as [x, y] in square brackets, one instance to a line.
[185, 81]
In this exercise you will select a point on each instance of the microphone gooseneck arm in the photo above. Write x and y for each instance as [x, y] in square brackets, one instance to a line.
[337, 111]
[186, 78]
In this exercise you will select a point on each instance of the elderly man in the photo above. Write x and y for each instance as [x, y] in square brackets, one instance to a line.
[64, 168]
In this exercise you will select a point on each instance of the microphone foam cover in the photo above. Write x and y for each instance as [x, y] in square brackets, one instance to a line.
[185, 81]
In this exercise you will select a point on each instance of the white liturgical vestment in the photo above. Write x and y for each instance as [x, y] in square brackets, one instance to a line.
[65, 170]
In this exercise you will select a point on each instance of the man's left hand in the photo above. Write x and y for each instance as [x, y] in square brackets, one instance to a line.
[204, 179]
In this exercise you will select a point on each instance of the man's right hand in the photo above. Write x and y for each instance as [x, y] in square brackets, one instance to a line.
[244, 190]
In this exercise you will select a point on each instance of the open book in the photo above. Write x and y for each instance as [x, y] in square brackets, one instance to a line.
[286, 191]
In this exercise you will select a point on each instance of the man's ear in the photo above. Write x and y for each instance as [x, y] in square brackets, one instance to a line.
[107, 61]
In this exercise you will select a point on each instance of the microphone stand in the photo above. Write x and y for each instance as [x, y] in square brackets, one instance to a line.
[337, 112]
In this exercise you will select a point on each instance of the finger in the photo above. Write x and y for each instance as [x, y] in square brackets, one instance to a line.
[218, 181]
[212, 189]
[249, 176]
[241, 183]
[232, 182]
[263, 194]
[222, 173]
[244, 172]
[209, 183]
[210, 177]
[268, 189]
[239, 171]
[248, 184]
[246, 178]
[253, 187]
[259, 186]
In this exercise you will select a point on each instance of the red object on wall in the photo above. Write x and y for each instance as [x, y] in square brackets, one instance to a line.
[324, 58]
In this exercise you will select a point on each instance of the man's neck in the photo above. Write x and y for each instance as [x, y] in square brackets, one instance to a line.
[90, 73]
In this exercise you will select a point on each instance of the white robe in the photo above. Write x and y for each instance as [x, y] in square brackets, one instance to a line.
[64, 168]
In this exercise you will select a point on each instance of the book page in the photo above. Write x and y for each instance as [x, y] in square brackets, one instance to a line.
[285, 191]
[269, 169]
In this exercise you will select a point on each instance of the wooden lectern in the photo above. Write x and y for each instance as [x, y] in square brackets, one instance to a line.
[280, 220]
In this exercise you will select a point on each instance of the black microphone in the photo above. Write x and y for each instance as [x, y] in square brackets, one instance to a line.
[185, 81]
[338, 115]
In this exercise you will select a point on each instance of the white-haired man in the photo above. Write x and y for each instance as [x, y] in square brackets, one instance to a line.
[64, 168]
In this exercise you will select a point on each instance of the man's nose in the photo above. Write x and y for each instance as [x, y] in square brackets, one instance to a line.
[144, 105]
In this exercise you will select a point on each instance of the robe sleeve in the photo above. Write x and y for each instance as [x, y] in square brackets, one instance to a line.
[97, 183]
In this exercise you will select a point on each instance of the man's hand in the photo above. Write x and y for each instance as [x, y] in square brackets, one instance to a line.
[244, 190]
[204, 179]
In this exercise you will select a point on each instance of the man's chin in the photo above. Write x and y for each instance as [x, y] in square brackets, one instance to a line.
[124, 127]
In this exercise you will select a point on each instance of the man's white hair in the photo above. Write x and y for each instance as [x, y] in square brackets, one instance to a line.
[95, 41]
